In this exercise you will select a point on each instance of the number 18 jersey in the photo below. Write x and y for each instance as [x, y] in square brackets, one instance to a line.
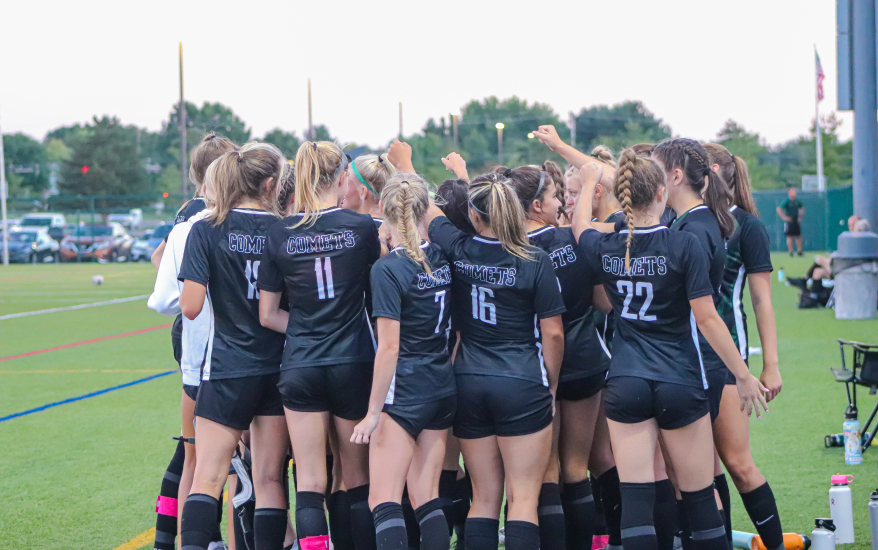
[656, 337]
[497, 301]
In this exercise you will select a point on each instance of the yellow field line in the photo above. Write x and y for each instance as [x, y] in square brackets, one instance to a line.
[148, 536]
[82, 371]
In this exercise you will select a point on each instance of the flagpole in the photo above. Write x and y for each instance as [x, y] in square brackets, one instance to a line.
[181, 115]
[821, 183]
[3, 190]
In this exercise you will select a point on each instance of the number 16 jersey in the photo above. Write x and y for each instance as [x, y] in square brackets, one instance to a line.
[324, 268]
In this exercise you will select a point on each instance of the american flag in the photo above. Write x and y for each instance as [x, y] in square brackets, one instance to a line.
[820, 77]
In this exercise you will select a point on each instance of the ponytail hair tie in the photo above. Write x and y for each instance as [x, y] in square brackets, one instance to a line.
[507, 173]
[314, 144]
[240, 155]
[733, 159]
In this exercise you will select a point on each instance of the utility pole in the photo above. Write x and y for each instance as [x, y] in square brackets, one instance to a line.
[400, 120]
[3, 191]
[454, 129]
[572, 125]
[184, 172]
[865, 106]
[310, 121]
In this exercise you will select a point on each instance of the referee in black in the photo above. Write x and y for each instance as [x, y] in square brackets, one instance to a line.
[791, 211]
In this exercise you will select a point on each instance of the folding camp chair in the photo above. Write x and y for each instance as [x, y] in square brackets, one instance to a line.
[863, 372]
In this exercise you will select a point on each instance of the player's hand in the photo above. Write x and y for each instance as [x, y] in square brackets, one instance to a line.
[363, 430]
[400, 156]
[455, 163]
[752, 394]
[591, 174]
[772, 381]
[549, 136]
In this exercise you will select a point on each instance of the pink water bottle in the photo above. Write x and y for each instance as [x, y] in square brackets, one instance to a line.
[841, 508]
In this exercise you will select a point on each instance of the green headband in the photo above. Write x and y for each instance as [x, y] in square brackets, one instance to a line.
[359, 177]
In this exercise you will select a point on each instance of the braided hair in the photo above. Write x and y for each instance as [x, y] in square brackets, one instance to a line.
[404, 200]
[689, 156]
[638, 179]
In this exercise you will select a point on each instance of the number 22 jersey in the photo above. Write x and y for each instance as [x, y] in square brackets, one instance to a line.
[225, 258]
[656, 337]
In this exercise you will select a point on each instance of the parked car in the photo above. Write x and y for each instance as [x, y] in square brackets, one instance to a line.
[143, 248]
[131, 220]
[108, 242]
[55, 223]
[10, 222]
[32, 245]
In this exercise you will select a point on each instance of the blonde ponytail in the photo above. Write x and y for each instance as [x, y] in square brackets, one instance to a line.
[240, 175]
[405, 199]
[373, 171]
[623, 192]
[492, 196]
[318, 167]
[638, 180]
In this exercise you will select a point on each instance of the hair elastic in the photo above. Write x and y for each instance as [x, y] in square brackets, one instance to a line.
[359, 177]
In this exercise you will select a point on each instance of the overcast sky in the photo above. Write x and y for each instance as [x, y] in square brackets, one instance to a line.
[694, 63]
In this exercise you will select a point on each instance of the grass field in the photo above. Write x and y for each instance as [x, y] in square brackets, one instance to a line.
[86, 474]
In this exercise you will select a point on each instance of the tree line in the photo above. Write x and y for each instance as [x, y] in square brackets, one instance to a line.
[127, 160]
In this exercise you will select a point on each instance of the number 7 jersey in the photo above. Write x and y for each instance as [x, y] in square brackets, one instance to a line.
[324, 267]
[656, 337]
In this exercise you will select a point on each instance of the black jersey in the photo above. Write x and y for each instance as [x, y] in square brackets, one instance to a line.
[620, 222]
[748, 252]
[702, 223]
[584, 351]
[402, 290]
[225, 259]
[192, 207]
[497, 300]
[668, 217]
[655, 335]
[324, 268]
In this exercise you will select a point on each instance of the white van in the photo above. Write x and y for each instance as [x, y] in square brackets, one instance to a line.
[55, 223]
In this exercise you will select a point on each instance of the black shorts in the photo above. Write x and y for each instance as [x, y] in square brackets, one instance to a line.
[581, 388]
[716, 382]
[792, 229]
[191, 392]
[177, 338]
[342, 390]
[436, 415]
[234, 402]
[502, 406]
[630, 400]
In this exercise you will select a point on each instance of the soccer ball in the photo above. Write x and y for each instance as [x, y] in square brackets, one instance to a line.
[98, 279]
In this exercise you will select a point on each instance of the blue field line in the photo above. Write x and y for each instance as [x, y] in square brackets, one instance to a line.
[86, 396]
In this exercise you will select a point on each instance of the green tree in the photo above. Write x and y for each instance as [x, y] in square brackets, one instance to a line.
[619, 126]
[750, 147]
[798, 157]
[27, 166]
[287, 142]
[114, 167]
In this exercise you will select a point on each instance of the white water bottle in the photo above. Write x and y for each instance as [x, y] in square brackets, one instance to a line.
[841, 508]
[873, 518]
[823, 535]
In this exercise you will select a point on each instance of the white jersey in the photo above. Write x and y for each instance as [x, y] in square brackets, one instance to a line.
[165, 299]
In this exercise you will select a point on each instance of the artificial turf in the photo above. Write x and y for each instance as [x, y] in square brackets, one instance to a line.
[85, 474]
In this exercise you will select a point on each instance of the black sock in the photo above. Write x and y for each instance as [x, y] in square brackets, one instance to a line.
[600, 526]
[684, 531]
[389, 526]
[340, 521]
[166, 504]
[411, 521]
[482, 534]
[463, 496]
[362, 525]
[270, 527]
[217, 535]
[638, 503]
[611, 502]
[433, 527]
[244, 539]
[665, 514]
[708, 531]
[447, 482]
[198, 522]
[552, 529]
[722, 488]
[523, 535]
[762, 509]
[579, 513]
[329, 480]
[311, 528]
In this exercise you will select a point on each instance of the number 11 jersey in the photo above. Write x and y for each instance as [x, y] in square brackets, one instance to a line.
[324, 268]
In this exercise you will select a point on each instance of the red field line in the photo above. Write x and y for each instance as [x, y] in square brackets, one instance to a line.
[92, 341]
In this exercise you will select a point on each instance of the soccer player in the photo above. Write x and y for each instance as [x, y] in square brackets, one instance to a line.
[659, 287]
[748, 260]
[791, 211]
[321, 257]
[413, 397]
[363, 181]
[508, 308]
[189, 355]
[239, 378]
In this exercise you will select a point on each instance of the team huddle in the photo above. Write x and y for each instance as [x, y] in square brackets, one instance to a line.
[577, 337]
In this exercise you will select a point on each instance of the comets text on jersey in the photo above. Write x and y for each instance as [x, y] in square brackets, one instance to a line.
[639, 267]
[246, 244]
[309, 244]
[562, 256]
[439, 277]
[494, 275]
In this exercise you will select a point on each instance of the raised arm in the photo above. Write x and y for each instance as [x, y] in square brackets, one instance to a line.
[455, 163]
[400, 156]
[549, 137]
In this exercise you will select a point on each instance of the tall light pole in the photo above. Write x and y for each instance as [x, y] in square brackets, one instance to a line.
[3, 190]
[184, 172]
[500, 127]
[310, 122]
[454, 117]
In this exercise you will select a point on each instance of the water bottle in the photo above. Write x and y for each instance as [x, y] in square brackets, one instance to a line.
[823, 535]
[780, 275]
[841, 508]
[833, 440]
[873, 518]
[853, 444]
[791, 541]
